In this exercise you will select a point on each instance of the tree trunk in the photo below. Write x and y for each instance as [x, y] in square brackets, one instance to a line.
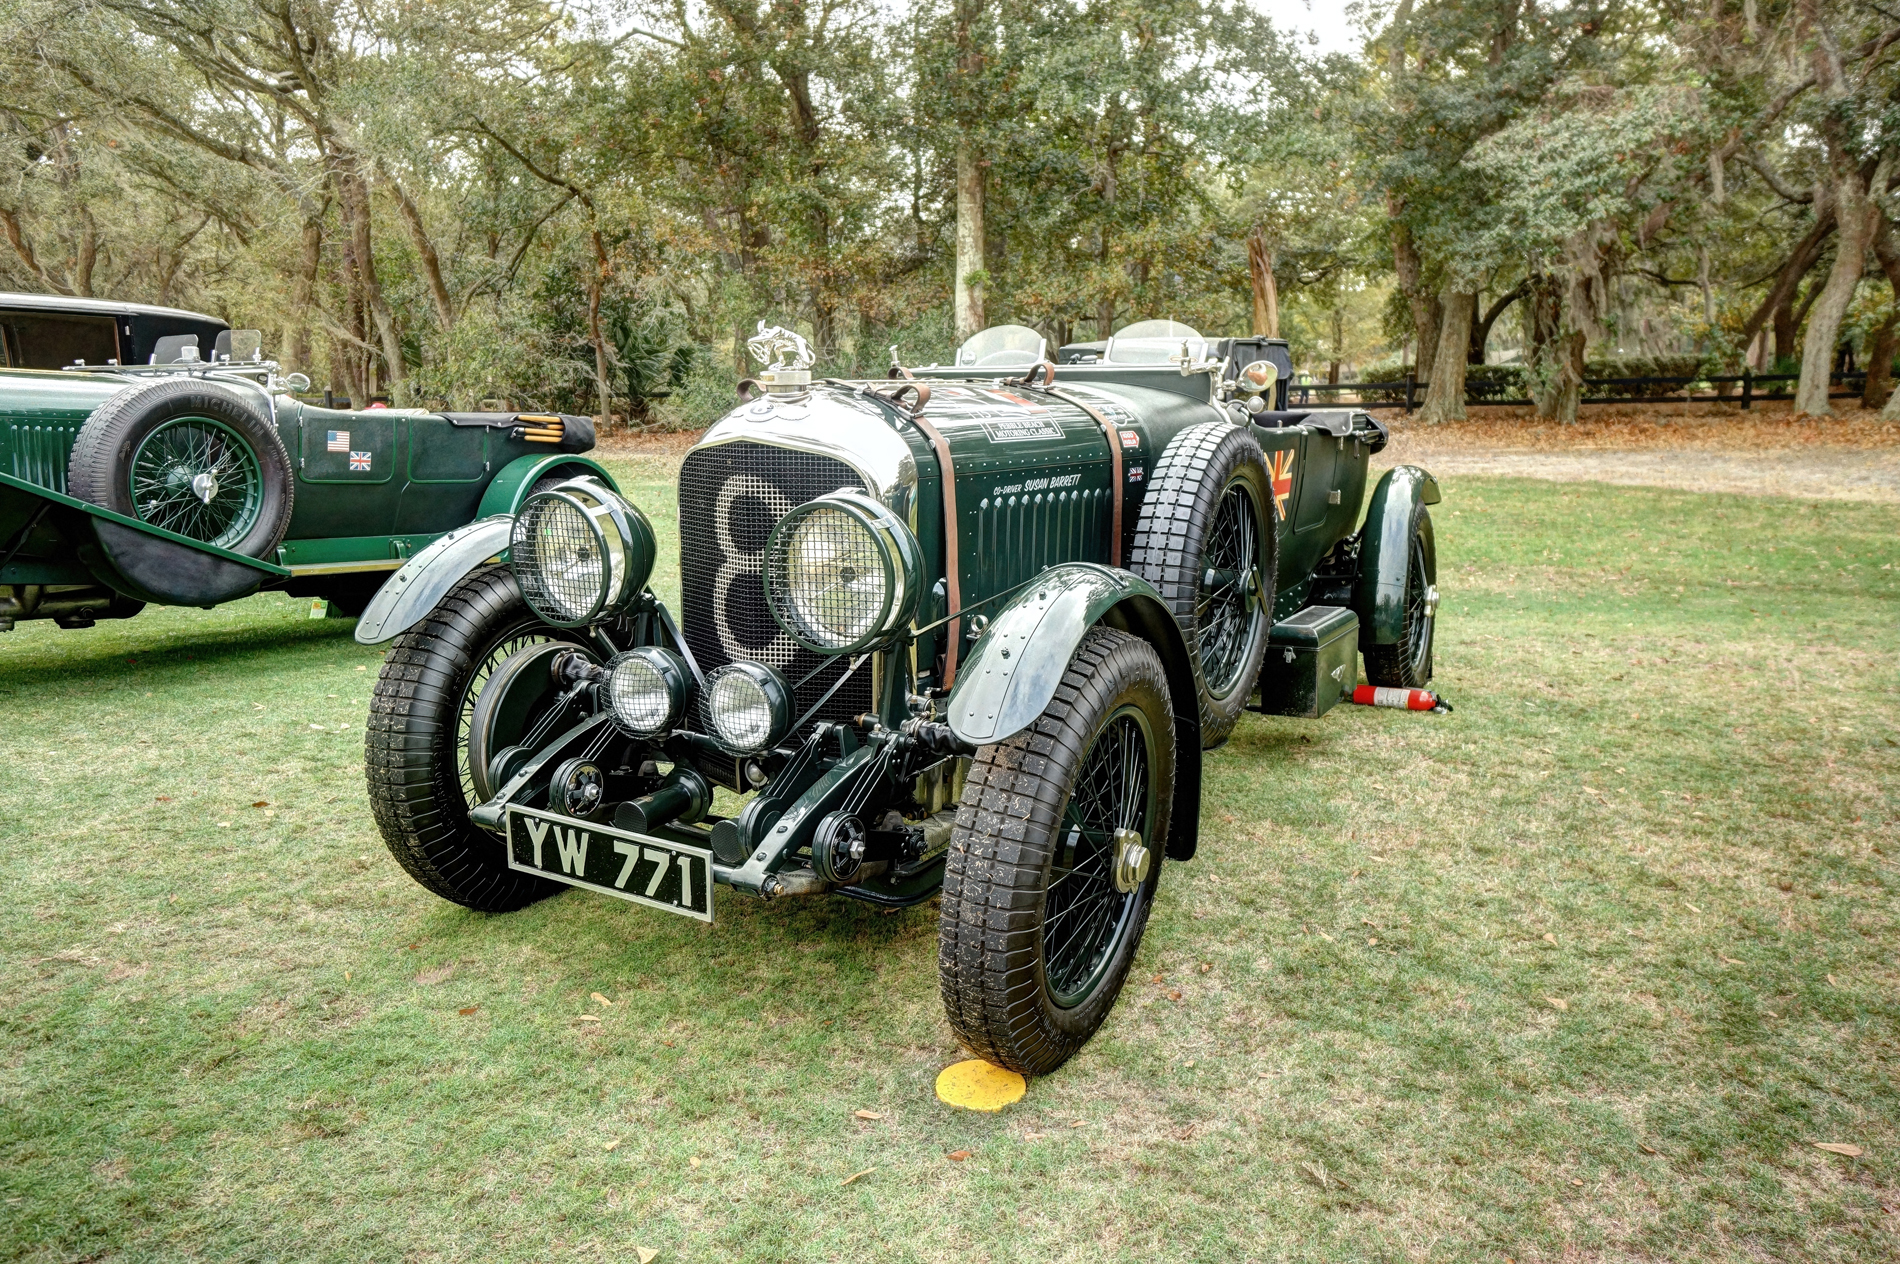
[1410, 269]
[1445, 395]
[354, 193]
[1857, 216]
[1880, 346]
[603, 382]
[1481, 327]
[1555, 359]
[303, 294]
[970, 237]
[1266, 294]
[425, 250]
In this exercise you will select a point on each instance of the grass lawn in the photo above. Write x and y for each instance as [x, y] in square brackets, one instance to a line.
[1583, 970]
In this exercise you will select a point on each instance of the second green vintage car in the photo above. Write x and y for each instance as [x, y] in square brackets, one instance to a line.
[967, 630]
[197, 477]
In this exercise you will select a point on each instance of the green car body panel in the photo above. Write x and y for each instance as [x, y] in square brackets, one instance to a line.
[372, 487]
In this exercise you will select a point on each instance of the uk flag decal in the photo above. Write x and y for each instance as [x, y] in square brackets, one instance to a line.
[1280, 466]
[359, 462]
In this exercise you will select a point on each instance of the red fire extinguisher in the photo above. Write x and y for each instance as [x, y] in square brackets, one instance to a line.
[1404, 699]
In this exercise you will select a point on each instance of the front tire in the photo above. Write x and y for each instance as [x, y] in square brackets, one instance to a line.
[1039, 928]
[1206, 540]
[1407, 663]
[416, 752]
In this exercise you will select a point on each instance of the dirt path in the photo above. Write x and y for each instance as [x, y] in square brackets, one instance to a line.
[1706, 448]
[1854, 457]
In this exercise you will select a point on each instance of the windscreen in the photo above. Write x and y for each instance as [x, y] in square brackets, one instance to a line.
[1156, 342]
[34, 341]
[1003, 347]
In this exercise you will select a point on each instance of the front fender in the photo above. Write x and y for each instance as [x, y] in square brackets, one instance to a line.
[516, 479]
[426, 578]
[1378, 596]
[1012, 673]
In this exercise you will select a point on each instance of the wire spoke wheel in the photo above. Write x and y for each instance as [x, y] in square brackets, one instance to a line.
[1230, 587]
[1418, 614]
[531, 634]
[1056, 857]
[1084, 916]
[199, 478]
[1406, 661]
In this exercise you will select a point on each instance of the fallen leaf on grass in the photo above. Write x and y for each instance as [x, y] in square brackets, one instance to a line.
[261, 803]
[1839, 1147]
[1174, 995]
[1032, 1136]
[867, 1114]
[1647, 1149]
[1080, 1123]
[587, 1018]
[957, 1156]
[436, 974]
[1579, 1184]
[1549, 938]
[346, 973]
[1831, 982]
[646, 1253]
[164, 798]
[466, 1010]
[694, 1161]
[603, 1000]
[1372, 941]
[1206, 966]
[1328, 938]
[1730, 960]
[855, 1175]
[1692, 908]
[1558, 1002]
[611, 1144]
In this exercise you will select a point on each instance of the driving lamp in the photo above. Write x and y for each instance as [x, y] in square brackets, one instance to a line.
[646, 690]
[841, 573]
[580, 552]
[748, 706]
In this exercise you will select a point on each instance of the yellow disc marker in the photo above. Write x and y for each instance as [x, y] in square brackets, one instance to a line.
[979, 1085]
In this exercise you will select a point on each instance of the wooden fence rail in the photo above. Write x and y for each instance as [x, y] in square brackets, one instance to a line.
[1411, 391]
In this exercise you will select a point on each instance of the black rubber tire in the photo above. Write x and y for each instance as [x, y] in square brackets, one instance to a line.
[98, 471]
[990, 961]
[414, 745]
[1173, 534]
[1407, 662]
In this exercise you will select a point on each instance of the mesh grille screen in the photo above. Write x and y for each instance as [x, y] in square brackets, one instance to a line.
[557, 559]
[828, 578]
[731, 496]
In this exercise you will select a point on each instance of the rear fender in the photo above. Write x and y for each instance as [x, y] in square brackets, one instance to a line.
[1013, 672]
[1378, 595]
[516, 479]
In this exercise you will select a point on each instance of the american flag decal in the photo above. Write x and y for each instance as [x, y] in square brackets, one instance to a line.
[1280, 466]
[339, 441]
[359, 461]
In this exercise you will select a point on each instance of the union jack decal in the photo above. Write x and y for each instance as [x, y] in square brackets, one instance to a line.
[1280, 466]
[359, 461]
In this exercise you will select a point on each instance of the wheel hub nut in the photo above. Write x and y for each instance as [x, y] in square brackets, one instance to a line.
[1131, 861]
[1431, 601]
[204, 487]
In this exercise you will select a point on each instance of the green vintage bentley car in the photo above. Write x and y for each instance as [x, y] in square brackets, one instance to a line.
[195, 476]
[966, 631]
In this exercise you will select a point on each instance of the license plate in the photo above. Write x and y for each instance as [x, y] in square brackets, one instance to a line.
[657, 872]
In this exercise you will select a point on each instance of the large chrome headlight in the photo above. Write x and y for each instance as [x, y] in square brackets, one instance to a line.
[580, 552]
[841, 573]
[647, 689]
[748, 706]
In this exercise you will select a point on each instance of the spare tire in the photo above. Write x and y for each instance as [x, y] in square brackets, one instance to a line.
[189, 456]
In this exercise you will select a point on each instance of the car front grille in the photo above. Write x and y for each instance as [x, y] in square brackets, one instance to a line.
[731, 496]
